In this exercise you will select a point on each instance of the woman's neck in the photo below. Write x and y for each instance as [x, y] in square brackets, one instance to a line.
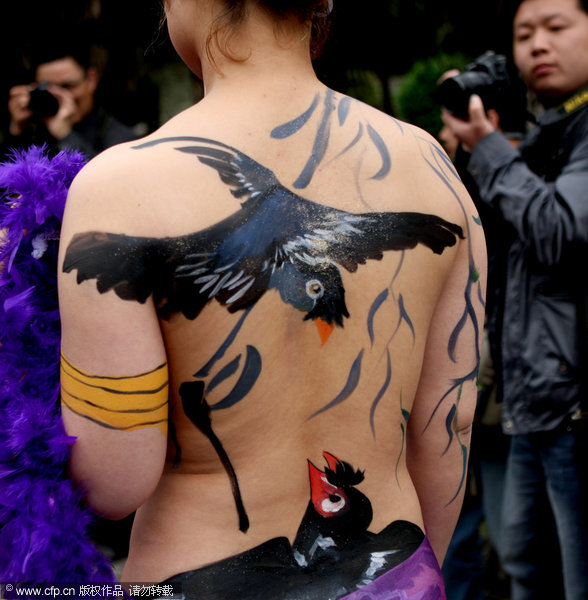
[261, 55]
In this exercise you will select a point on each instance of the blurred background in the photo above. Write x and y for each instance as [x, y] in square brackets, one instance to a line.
[388, 53]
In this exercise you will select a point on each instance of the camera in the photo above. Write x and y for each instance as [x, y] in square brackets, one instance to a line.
[493, 78]
[42, 102]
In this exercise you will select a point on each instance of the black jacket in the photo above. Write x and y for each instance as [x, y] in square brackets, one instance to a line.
[538, 201]
[96, 132]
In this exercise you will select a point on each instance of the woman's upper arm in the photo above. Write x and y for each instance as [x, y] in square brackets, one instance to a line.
[444, 406]
[113, 370]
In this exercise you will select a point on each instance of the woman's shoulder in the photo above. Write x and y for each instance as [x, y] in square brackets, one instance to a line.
[405, 139]
[122, 183]
[403, 155]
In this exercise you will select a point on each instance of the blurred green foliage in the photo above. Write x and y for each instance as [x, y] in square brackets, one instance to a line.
[415, 95]
[365, 86]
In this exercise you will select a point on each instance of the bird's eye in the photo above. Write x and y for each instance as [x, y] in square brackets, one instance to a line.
[333, 503]
[315, 289]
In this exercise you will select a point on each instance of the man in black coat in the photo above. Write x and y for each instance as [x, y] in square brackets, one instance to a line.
[60, 109]
[538, 194]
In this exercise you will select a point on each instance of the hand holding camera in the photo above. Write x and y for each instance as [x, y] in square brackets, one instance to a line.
[488, 95]
[18, 107]
[44, 102]
[479, 124]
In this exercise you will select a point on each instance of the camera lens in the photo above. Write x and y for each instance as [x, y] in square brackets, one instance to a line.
[453, 97]
[42, 102]
[493, 78]
[454, 93]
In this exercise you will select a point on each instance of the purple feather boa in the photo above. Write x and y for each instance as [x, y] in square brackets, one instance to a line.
[43, 524]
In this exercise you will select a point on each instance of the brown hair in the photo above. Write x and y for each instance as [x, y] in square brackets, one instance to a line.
[314, 12]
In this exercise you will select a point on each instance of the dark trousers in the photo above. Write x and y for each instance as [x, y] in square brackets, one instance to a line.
[545, 514]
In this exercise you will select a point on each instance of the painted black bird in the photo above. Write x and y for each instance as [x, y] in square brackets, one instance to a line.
[333, 539]
[338, 514]
[277, 240]
[332, 555]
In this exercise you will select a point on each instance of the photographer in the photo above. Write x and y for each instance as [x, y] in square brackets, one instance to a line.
[59, 109]
[537, 195]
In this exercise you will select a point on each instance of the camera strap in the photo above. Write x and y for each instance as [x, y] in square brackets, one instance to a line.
[572, 105]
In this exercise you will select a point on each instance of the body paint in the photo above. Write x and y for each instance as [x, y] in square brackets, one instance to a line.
[352, 382]
[334, 554]
[197, 410]
[384, 154]
[278, 240]
[290, 128]
[247, 379]
[381, 393]
[342, 107]
[403, 316]
[445, 170]
[372, 313]
[125, 403]
[321, 143]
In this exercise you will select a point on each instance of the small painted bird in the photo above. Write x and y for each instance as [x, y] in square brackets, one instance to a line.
[338, 514]
[334, 530]
[332, 556]
[277, 240]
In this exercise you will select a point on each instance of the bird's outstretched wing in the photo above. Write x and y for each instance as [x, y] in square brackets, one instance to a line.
[349, 239]
[117, 262]
[183, 274]
[245, 176]
[305, 226]
[304, 222]
[235, 260]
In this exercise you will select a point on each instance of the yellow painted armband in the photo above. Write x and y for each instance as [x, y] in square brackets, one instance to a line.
[125, 403]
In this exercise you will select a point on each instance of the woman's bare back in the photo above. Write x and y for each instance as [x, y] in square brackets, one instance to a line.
[296, 265]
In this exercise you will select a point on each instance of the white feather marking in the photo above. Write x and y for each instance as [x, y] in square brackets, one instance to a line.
[377, 562]
[193, 273]
[212, 279]
[219, 285]
[241, 292]
[225, 267]
[235, 281]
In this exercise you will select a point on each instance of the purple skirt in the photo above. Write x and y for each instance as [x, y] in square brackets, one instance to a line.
[404, 570]
[417, 578]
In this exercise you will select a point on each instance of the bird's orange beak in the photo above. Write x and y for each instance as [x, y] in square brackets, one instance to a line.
[325, 329]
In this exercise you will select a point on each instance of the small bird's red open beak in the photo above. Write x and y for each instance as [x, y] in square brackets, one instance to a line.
[318, 479]
[325, 329]
[319, 485]
[332, 461]
[322, 491]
